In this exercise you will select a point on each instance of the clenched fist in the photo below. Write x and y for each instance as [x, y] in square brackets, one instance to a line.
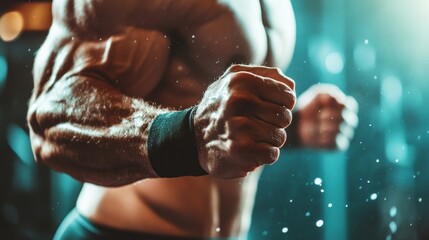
[325, 117]
[240, 122]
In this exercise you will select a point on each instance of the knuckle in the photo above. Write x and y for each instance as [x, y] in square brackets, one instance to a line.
[238, 147]
[273, 154]
[279, 137]
[238, 100]
[237, 79]
[291, 83]
[286, 118]
[282, 136]
[267, 155]
[237, 123]
[293, 96]
[243, 77]
[235, 68]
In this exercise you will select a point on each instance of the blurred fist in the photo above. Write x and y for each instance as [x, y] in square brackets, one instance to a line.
[326, 117]
[240, 122]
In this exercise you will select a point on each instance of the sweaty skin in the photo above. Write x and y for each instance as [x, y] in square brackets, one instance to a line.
[108, 67]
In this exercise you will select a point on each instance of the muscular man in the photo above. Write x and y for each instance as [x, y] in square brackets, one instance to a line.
[144, 101]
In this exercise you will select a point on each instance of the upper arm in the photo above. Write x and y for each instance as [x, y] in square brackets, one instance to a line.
[279, 21]
[131, 59]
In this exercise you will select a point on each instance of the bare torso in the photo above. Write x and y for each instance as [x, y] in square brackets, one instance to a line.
[186, 206]
[202, 206]
[190, 206]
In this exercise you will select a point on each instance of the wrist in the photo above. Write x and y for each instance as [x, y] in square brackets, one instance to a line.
[172, 147]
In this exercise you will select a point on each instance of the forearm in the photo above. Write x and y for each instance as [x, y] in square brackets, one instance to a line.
[98, 138]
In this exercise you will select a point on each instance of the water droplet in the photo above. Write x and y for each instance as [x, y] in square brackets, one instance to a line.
[319, 223]
[420, 199]
[193, 36]
[307, 214]
[366, 41]
[347, 205]
[291, 200]
[318, 181]
[377, 160]
[396, 160]
[322, 191]
[179, 68]
[329, 205]
[285, 230]
[393, 211]
[374, 196]
[393, 227]
[218, 229]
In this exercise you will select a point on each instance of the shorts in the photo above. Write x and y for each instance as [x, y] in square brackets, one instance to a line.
[77, 227]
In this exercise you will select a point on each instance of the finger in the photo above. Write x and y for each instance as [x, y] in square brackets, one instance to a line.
[275, 115]
[270, 72]
[331, 115]
[245, 104]
[342, 142]
[329, 128]
[350, 118]
[330, 89]
[327, 140]
[327, 100]
[266, 89]
[256, 130]
[347, 130]
[248, 155]
[352, 104]
[262, 154]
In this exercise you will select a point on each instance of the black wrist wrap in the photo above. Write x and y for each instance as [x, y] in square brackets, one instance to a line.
[172, 146]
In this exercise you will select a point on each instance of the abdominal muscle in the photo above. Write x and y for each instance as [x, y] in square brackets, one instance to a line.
[187, 206]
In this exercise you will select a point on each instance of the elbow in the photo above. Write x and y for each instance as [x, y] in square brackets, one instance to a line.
[43, 149]
[36, 134]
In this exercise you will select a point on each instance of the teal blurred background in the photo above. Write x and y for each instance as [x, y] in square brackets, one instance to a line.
[376, 51]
